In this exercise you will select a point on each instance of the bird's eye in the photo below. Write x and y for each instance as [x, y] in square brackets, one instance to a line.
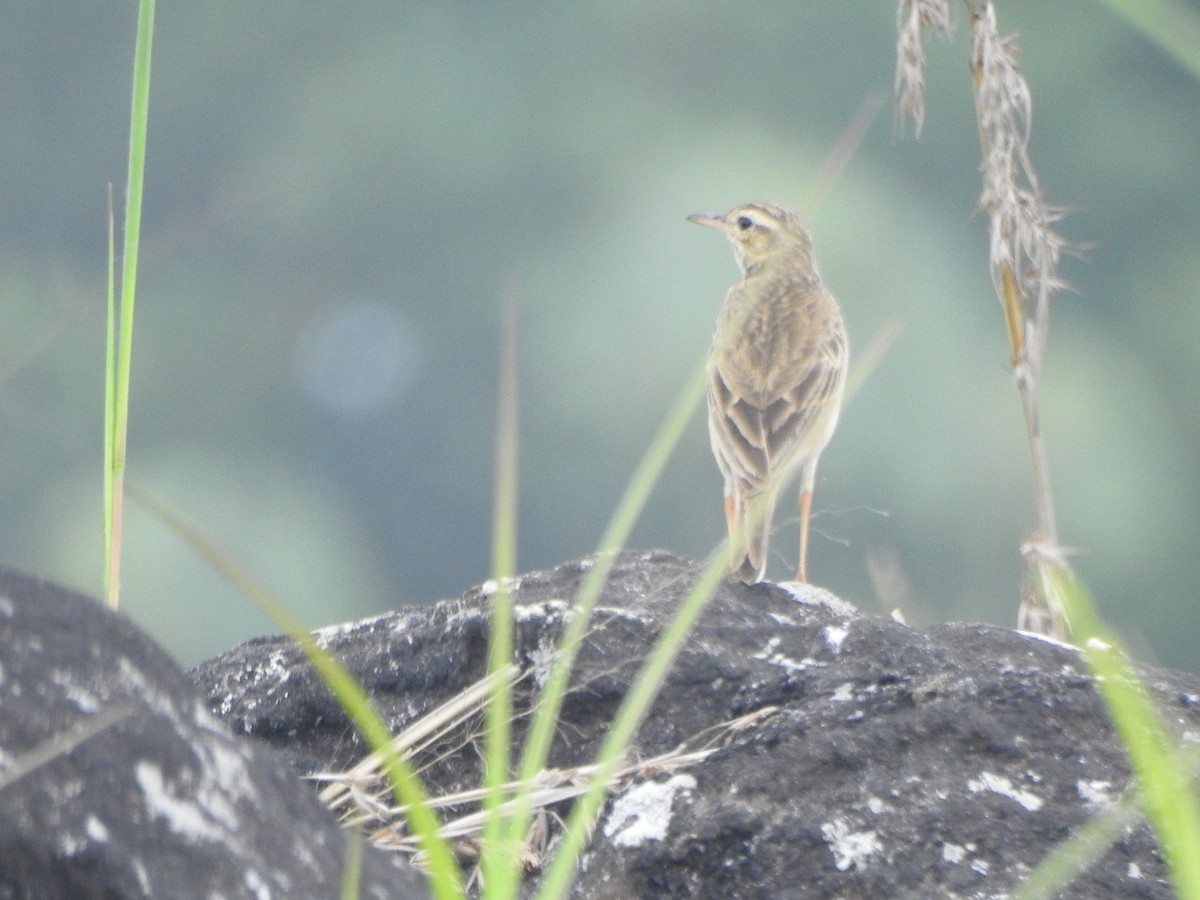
[744, 222]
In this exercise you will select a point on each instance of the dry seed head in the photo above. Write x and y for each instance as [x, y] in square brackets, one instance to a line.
[909, 87]
[1023, 246]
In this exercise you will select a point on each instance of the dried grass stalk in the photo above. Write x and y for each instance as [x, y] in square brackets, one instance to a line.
[1024, 251]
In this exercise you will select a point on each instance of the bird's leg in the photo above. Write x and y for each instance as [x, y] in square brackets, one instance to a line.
[731, 522]
[805, 508]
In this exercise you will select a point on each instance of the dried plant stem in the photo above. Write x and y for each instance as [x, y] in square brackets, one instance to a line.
[359, 796]
[1024, 256]
[1024, 253]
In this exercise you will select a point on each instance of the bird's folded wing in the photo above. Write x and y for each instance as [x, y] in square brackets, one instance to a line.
[757, 441]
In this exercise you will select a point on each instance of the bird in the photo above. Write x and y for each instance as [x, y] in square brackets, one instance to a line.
[776, 377]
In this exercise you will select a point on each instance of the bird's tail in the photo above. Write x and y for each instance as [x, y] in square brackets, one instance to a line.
[749, 518]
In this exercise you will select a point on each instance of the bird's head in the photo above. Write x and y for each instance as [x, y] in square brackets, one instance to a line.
[761, 233]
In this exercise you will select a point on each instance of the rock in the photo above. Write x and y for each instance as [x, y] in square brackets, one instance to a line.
[116, 782]
[885, 762]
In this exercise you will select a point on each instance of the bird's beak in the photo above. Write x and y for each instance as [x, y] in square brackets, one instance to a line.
[711, 221]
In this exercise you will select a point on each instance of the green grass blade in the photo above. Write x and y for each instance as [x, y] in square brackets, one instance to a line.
[352, 873]
[444, 875]
[138, 120]
[541, 732]
[1160, 769]
[638, 700]
[500, 860]
[1086, 845]
[629, 717]
[1172, 25]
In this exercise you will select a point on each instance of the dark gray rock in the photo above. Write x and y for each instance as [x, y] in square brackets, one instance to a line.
[116, 782]
[899, 763]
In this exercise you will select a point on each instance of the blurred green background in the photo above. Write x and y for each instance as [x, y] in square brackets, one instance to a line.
[338, 197]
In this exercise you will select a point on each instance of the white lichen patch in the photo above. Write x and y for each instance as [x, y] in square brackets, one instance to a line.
[834, 635]
[618, 612]
[489, 587]
[815, 596]
[844, 693]
[95, 829]
[643, 812]
[182, 814]
[541, 660]
[772, 645]
[960, 854]
[324, 635]
[83, 698]
[770, 655]
[1095, 793]
[953, 853]
[850, 848]
[998, 784]
[538, 611]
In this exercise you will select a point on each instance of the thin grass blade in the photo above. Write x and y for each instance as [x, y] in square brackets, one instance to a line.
[138, 122]
[1173, 25]
[444, 875]
[499, 860]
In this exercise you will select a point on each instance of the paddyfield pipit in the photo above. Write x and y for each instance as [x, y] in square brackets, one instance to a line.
[776, 372]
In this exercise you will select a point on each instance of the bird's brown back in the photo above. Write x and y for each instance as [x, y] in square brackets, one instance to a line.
[777, 362]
